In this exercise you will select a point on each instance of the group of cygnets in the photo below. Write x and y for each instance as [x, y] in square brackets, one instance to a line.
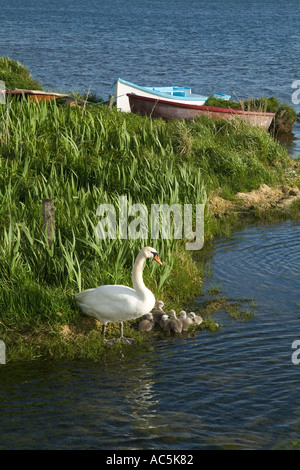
[170, 322]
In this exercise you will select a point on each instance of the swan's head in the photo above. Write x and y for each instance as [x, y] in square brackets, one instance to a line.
[182, 314]
[160, 304]
[149, 252]
[172, 313]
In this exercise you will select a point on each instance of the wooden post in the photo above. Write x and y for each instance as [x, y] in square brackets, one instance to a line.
[111, 101]
[48, 211]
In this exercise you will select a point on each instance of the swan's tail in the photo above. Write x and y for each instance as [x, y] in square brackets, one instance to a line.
[80, 296]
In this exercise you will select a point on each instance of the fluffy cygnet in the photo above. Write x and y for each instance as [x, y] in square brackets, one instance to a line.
[165, 323]
[158, 312]
[176, 324]
[195, 318]
[147, 324]
[185, 320]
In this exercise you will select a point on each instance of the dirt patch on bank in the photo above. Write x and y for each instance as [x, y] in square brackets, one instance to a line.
[266, 197]
[262, 199]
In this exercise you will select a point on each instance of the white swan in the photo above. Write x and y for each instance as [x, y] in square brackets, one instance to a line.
[117, 303]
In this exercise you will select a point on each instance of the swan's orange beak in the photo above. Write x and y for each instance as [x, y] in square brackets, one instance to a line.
[157, 258]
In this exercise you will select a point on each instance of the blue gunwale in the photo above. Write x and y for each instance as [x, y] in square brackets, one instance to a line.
[168, 91]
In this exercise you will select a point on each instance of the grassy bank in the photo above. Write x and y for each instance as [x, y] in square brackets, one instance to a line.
[85, 156]
[15, 75]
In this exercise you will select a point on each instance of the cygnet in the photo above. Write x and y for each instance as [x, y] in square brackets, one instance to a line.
[195, 318]
[147, 324]
[176, 324]
[165, 323]
[158, 312]
[185, 320]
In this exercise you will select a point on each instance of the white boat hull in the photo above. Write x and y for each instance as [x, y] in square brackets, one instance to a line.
[121, 88]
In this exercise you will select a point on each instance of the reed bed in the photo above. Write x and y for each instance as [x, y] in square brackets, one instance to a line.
[82, 157]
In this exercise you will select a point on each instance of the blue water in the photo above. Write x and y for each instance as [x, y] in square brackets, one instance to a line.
[232, 46]
[237, 47]
[236, 388]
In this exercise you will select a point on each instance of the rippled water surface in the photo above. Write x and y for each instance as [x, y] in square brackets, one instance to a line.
[236, 388]
[244, 48]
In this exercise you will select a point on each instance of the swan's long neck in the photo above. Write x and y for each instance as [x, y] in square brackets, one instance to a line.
[137, 275]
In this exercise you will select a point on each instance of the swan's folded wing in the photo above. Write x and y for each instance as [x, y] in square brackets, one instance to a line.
[109, 303]
[106, 292]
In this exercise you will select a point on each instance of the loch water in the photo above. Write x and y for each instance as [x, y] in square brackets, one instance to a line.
[245, 48]
[237, 388]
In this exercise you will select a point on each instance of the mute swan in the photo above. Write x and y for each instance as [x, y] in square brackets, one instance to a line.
[117, 303]
[195, 318]
[185, 320]
[147, 324]
[176, 324]
[158, 312]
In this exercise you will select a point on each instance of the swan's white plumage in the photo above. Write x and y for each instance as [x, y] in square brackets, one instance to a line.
[118, 303]
[114, 303]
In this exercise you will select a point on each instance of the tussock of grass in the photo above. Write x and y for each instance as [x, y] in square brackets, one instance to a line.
[16, 76]
[229, 154]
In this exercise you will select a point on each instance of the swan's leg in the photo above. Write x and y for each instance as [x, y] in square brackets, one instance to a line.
[103, 329]
[122, 338]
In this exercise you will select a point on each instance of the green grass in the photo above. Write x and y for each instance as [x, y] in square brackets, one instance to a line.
[15, 75]
[82, 157]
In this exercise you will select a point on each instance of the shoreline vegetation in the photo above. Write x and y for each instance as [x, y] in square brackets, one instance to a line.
[84, 156]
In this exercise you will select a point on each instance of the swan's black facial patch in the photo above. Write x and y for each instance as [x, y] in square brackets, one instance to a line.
[155, 257]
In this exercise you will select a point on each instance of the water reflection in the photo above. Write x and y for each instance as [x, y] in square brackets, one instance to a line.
[291, 141]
